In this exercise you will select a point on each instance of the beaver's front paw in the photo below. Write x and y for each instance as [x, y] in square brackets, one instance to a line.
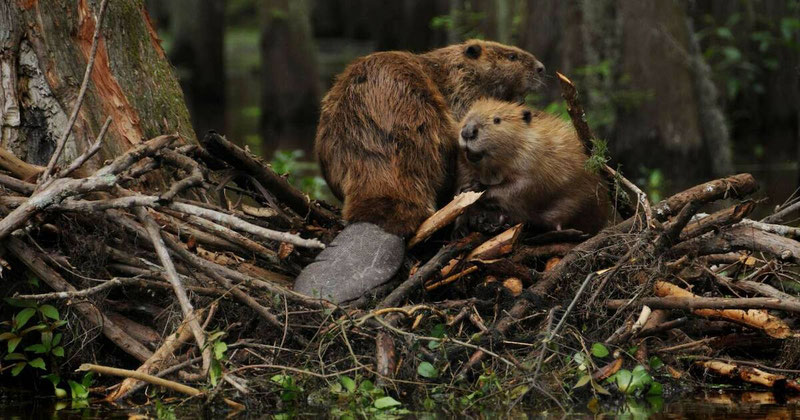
[489, 221]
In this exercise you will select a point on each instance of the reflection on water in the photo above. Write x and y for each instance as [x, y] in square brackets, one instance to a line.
[710, 404]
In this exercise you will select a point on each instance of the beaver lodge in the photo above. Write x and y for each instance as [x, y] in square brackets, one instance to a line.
[169, 273]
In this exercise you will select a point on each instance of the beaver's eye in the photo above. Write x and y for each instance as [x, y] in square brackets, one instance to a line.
[512, 56]
[497, 120]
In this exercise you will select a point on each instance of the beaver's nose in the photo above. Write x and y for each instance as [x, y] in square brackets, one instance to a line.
[469, 132]
[539, 67]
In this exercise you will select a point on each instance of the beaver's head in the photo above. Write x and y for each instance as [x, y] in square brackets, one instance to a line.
[492, 136]
[502, 71]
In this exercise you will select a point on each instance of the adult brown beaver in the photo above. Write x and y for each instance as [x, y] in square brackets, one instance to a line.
[532, 166]
[386, 143]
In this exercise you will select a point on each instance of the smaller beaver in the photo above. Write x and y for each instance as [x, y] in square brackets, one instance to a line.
[531, 165]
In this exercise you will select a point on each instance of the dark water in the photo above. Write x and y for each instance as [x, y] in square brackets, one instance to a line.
[703, 404]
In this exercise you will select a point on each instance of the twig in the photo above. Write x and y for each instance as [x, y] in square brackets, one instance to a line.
[81, 94]
[73, 294]
[77, 163]
[694, 303]
[175, 386]
[173, 277]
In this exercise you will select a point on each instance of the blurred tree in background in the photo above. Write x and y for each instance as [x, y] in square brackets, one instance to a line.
[682, 90]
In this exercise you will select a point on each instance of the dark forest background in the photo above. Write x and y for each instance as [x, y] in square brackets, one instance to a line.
[682, 90]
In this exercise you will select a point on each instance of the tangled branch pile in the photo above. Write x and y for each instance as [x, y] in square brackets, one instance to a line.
[182, 257]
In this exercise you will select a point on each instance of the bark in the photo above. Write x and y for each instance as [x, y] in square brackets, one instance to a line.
[44, 48]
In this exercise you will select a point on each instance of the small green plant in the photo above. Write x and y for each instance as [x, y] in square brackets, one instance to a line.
[463, 22]
[219, 348]
[48, 346]
[363, 400]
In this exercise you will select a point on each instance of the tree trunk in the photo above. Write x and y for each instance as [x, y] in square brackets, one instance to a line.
[290, 91]
[198, 55]
[44, 48]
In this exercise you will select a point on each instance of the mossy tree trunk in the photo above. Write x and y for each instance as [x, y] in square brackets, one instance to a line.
[44, 48]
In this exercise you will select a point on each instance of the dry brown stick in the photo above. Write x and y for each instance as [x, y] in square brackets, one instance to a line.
[62, 188]
[578, 117]
[717, 220]
[787, 231]
[174, 279]
[81, 94]
[213, 215]
[735, 186]
[21, 169]
[432, 266]
[276, 184]
[740, 237]
[175, 386]
[231, 236]
[77, 163]
[73, 294]
[160, 357]
[34, 261]
[781, 215]
[673, 230]
[16, 184]
[195, 178]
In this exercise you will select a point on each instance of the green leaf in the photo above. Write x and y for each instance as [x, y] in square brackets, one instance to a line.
[38, 363]
[47, 339]
[386, 402]
[12, 344]
[215, 372]
[656, 389]
[623, 379]
[656, 363]
[87, 380]
[348, 384]
[599, 350]
[22, 317]
[366, 386]
[219, 349]
[60, 393]
[433, 345]
[426, 370]
[18, 368]
[53, 378]
[599, 388]
[49, 311]
[57, 339]
[732, 53]
[438, 330]
[79, 392]
[518, 392]
[582, 381]
[15, 356]
[37, 327]
[37, 348]
[58, 351]
[724, 32]
[6, 336]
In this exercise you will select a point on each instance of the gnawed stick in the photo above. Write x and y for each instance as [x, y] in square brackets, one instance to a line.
[444, 216]
[174, 279]
[755, 318]
[175, 386]
[160, 357]
[749, 374]
[717, 220]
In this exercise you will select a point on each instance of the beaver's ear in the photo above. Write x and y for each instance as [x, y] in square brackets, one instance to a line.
[473, 51]
[526, 116]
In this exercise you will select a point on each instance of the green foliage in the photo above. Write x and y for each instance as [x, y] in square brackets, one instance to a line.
[34, 352]
[654, 183]
[300, 173]
[463, 22]
[742, 52]
[219, 348]
[362, 399]
[599, 156]
[637, 382]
